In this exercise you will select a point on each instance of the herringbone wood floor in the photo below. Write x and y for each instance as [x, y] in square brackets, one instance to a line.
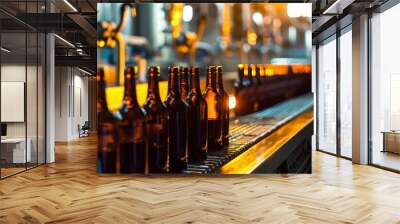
[70, 191]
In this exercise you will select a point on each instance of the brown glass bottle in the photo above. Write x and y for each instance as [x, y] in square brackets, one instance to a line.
[197, 118]
[259, 73]
[240, 91]
[214, 115]
[249, 75]
[131, 129]
[106, 130]
[177, 124]
[184, 82]
[157, 125]
[239, 83]
[225, 107]
[251, 95]
[258, 88]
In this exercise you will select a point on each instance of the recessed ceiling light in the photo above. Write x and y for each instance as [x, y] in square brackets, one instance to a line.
[84, 71]
[5, 50]
[65, 41]
[70, 5]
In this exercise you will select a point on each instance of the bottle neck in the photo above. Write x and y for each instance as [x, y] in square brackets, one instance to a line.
[249, 76]
[258, 74]
[173, 82]
[195, 83]
[219, 84]
[184, 80]
[130, 88]
[153, 88]
[241, 74]
[211, 78]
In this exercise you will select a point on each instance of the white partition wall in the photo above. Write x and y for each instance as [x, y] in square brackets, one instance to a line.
[71, 102]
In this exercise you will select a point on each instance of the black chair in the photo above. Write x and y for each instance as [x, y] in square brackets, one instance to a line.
[84, 130]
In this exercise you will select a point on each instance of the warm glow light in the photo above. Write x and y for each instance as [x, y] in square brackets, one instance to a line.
[115, 94]
[232, 102]
[101, 43]
[295, 10]
[133, 12]
[176, 18]
[246, 70]
[261, 69]
[187, 13]
[251, 38]
[253, 70]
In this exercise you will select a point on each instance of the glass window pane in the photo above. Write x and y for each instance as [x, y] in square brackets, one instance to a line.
[31, 98]
[41, 99]
[327, 97]
[13, 87]
[346, 94]
[385, 84]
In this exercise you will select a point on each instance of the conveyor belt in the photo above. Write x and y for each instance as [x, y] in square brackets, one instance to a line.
[248, 130]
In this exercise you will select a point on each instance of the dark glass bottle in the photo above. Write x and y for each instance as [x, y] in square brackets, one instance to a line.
[259, 73]
[239, 84]
[132, 129]
[197, 118]
[106, 130]
[259, 89]
[214, 115]
[157, 125]
[184, 82]
[251, 95]
[249, 75]
[177, 123]
[225, 106]
[240, 91]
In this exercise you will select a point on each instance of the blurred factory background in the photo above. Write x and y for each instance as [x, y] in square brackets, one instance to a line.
[212, 33]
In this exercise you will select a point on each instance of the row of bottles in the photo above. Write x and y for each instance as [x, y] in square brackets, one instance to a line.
[262, 85]
[163, 137]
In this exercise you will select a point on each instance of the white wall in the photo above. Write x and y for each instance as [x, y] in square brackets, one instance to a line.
[71, 102]
[12, 73]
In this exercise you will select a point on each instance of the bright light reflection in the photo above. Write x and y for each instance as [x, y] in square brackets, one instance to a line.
[187, 13]
[232, 102]
[299, 10]
[257, 18]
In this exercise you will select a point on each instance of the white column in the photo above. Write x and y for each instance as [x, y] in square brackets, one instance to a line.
[360, 90]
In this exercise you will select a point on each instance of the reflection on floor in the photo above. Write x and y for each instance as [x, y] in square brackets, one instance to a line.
[11, 169]
[386, 159]
[71, 191]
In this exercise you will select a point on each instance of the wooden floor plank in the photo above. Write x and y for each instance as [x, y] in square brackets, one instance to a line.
[70, 191]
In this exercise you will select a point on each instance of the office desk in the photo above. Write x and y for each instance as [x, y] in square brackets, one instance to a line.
[13, 150]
